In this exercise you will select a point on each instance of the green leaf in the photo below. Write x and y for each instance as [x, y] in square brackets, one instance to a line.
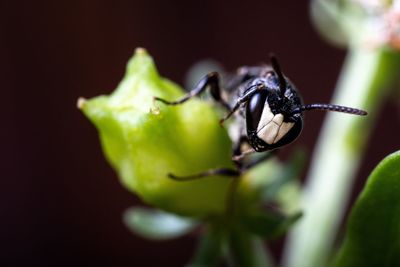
[288, 177]
[156, 224]
[272, 181]
[269, 225]
[144, 141]
[373, 229]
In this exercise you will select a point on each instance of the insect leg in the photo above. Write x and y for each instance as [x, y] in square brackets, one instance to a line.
[259, 160]
[241, 100]
[238, 158]
[237, 146]
[221, 171]
[211, 81]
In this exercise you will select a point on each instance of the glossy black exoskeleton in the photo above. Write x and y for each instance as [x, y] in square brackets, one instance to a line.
[270, 107]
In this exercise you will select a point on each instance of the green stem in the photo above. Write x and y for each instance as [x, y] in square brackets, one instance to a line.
[209, 249]
[363, 84]
[246, 250]
[243, 248]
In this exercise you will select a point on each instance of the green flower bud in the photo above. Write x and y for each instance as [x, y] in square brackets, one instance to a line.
[144, 141]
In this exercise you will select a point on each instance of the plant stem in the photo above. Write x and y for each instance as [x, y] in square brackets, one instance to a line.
[363, 84]
[243, 248]
[246, 250]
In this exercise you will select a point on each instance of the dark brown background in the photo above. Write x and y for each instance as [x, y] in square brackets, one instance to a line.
[60, 202]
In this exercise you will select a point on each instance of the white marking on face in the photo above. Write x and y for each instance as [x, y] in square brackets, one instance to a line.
[269, 132]
[271, 128]
[283, 130]
[266, 117]
[278, 119]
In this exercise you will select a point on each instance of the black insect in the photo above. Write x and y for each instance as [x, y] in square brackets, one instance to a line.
[269, 105]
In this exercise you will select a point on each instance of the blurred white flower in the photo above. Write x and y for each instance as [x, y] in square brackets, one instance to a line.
[368, 23]
[383, 22]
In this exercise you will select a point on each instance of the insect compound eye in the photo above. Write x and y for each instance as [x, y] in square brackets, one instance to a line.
[254, 110]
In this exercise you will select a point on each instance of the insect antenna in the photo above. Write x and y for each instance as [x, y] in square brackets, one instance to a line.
[330, 107]
[277, 70]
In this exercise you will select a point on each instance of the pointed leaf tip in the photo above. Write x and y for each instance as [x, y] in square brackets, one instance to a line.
[81, 102]
[140, 51]
[142, 63]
